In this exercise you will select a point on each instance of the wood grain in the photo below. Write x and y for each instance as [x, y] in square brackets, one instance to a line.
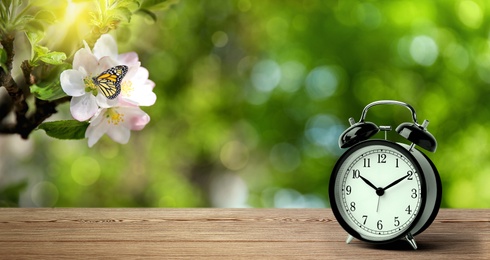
[224, 234]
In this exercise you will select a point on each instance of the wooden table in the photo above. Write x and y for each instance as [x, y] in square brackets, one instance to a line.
[224, 233]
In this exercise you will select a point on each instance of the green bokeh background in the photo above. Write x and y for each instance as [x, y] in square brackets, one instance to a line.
[253, 95]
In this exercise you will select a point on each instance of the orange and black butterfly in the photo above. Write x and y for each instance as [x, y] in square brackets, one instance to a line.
[109, 81]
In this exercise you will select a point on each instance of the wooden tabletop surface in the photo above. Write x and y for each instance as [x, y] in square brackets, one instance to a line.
[224, 234]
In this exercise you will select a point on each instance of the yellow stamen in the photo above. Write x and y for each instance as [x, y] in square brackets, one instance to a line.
[127, 88]
[113, 116]
[90, 85]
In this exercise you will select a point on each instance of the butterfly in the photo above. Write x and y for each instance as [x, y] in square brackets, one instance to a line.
[109, 81]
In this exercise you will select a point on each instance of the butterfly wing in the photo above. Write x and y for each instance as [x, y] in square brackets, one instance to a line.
[109, 81]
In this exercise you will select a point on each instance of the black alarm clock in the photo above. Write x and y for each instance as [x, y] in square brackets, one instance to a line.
[382, 191]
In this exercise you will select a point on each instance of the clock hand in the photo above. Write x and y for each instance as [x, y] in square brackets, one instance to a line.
[379, 191]
[395, 182]
[368, 183]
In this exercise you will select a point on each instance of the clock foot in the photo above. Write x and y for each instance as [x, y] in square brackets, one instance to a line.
[349, 239]
[411, 240]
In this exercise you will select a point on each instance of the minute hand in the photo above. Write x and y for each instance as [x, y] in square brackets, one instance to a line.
[395, 182]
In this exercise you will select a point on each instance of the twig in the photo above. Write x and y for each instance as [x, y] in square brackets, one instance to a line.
[24, 124]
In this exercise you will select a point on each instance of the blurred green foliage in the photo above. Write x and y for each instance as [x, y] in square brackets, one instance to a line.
[253, 95]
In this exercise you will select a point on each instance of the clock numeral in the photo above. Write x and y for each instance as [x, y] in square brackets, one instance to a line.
[379, 225]
[397, 222]
[356, 174]
[410, 175]
[367, 162]
[353, 206]
[414, 193]
[382, 158]
[348, 189]
[365, 219]
[408, 210]
[396, 164]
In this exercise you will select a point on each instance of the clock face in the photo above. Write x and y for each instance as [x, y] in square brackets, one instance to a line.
[376, 191]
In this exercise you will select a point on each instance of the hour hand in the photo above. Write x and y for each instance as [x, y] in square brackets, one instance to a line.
[368, 183]
[396, 182]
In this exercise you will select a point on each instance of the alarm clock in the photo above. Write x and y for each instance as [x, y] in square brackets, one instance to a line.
[381, 191]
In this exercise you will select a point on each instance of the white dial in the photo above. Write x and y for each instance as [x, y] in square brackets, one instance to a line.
[378, 191]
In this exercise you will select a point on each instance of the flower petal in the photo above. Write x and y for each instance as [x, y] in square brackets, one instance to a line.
[128, 58]
[85, 59]
[72, 82]
[140, 122]
[141, 74]
[93, 139]
[98, 117]
[142, 95]
[104, 102]
[134, 118]
[119, 134]
[105, 46]
[106, 63]
[140, 91]
[132, 71]
[97, 128]
[83, 107]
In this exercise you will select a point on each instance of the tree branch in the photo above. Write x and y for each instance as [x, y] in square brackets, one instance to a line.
[24, 124]
[6, 80]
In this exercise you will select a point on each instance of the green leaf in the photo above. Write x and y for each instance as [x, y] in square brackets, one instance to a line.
[130, 4]
[48, 92]
[40, 50]
[35, 36]
[49, 57]
[28, 23]
[54, 58]
[46, 16]
[121, 13]
[149, 15]
[65, 129]
[49, 88]
[158, 5]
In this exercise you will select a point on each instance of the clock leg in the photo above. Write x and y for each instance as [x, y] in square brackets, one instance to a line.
[349, 239]
[411, 240]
